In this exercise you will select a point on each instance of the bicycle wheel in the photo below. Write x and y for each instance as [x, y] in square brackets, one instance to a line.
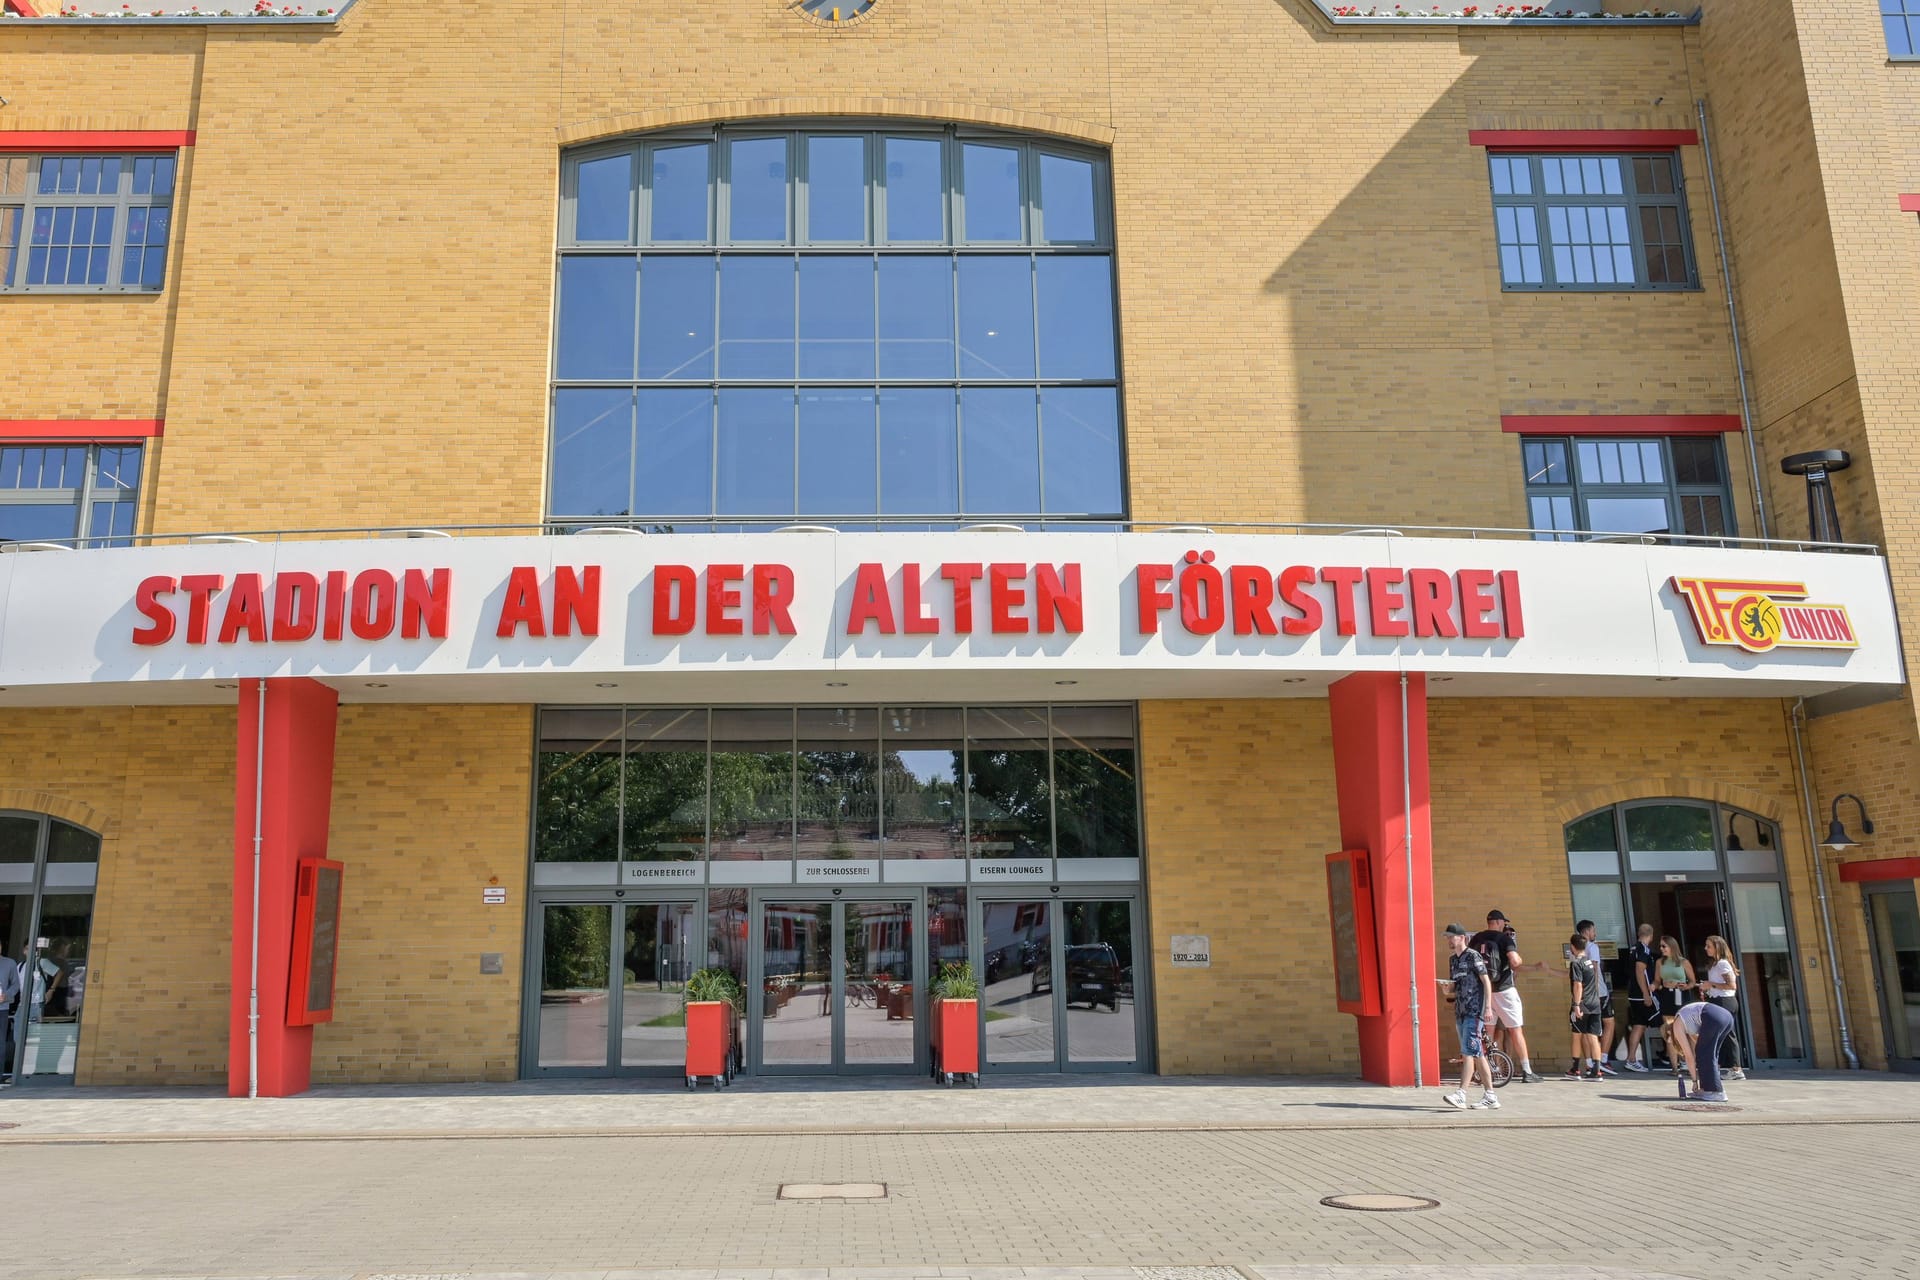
[1501, 1066]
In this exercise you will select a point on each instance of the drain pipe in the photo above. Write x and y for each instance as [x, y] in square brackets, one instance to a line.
[1733, 320]
[1796, 717]
[1413, 923]
[253, 959]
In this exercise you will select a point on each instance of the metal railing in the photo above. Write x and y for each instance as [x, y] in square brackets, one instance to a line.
[824, 525]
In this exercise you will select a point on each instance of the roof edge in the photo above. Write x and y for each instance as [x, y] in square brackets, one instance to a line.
[72, 14]
[1500, 13]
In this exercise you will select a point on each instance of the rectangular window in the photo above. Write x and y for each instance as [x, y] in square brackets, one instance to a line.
[80, 494]
[1591, 221]
[1611, 486]
[89, 222]
[1902, 21]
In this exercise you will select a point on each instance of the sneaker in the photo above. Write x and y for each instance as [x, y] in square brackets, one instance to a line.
[1591, 1075]
[1634, 1064]
[1573, 1071]
[1487, 1103]
[1456, 1100]
[1606, 1069]
[1531, 1077]
[1735, 1074]
[1708, 1097]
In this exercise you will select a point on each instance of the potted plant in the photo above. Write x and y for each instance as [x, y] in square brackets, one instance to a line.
[955, 1032]
[713, 999]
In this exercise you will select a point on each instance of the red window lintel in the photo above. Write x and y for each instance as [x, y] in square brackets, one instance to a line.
[1910, 204]
[23, 8]
[1620, 424]
[18, 429]
[1583, 139]
[1886, 869]
[95, 139]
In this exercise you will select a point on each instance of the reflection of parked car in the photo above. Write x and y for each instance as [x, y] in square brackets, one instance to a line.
[1094, 976]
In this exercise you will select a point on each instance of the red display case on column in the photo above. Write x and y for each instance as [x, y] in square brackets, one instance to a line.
[1356, 955]
[316, 941]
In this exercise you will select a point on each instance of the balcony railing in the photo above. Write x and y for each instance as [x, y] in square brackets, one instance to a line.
[775, 525]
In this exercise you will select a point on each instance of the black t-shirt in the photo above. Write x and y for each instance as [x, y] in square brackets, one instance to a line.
[1587, 974]
[1493, 945]
[1640, 953]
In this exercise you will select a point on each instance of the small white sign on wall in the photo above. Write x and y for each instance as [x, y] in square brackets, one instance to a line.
[1192, 951]
[494, 897]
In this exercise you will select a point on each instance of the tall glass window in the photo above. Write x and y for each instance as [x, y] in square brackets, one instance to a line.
[85, 222]
[867, 327]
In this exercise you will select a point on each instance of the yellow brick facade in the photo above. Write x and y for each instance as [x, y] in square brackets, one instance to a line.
[357, 326]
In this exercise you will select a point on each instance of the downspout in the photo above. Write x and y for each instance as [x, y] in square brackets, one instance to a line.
[253, 957]
[1733, 321]
[1413, 920]
[1795, 716]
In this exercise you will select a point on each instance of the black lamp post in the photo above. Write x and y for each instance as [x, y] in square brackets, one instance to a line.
[1823, 518]
[1837, 837]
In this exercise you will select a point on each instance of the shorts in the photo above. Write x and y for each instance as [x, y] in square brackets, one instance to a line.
[1670, 1001]
[1469, 1029]
[1642, 1013]
[1586, 1024]
[1505, 1008]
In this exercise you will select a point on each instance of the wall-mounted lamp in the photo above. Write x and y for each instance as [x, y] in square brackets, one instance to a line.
[1837, 837]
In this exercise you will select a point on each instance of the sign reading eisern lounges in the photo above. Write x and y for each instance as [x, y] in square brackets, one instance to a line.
[1161, 607]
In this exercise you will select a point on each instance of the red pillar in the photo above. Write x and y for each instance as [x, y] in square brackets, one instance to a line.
[295, 792]
[1374, 815]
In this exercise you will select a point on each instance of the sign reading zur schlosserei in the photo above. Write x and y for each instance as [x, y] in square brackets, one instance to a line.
[805, 601]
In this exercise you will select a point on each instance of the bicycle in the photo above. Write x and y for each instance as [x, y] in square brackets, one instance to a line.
[1498, 1064]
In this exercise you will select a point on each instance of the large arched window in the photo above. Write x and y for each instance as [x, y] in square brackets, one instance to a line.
[865, 326]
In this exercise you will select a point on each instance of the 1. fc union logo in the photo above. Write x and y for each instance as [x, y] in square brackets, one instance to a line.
[1763, 616]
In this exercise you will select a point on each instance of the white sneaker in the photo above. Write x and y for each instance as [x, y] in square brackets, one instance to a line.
[1708, 1097]
[1735, 1074]
[1487, 1103]
[1636, 1065]
[1456, 1100]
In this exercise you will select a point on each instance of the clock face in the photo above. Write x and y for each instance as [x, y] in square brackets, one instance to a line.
[834, 12]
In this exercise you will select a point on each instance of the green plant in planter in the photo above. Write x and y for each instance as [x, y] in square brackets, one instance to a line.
[717, 986]
[956, 982]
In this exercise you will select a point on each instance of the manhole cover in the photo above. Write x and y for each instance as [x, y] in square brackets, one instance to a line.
[833, 1191]
[1714, 1108]
[1379, 1202]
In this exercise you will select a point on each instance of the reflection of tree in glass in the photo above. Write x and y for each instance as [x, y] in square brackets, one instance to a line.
[1094, 801]
[1009, 802]
[1669, 827]
[576, 948]
[838, 791]
[666, 805]
[578, 806]
[752, 791]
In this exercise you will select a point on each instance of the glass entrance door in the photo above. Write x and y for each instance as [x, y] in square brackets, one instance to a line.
[47, 873]
[837, 984]
[1060, 990]
[1893, 921]
[610, 976]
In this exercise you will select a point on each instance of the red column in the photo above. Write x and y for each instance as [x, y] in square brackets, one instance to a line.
[294, 794]
[1374, 815]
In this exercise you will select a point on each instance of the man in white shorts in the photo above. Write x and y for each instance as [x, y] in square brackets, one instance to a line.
[1497, 946]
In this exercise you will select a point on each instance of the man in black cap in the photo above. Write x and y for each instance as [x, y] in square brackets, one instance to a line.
[1470, 992]
[1498, 946]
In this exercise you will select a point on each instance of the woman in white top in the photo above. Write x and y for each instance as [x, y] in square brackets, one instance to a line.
[1722, 987]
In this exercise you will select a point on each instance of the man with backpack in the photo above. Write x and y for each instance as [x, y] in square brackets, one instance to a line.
[1498, 946]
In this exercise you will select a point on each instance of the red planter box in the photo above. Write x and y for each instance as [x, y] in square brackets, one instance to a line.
[709, 1040]
[956, 1037]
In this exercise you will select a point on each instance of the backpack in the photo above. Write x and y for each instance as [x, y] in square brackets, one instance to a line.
[1498, 970]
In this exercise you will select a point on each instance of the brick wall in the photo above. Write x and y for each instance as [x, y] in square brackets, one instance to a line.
[1240, 810]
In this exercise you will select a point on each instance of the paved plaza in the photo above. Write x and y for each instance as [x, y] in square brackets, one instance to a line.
[1149, 1179]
